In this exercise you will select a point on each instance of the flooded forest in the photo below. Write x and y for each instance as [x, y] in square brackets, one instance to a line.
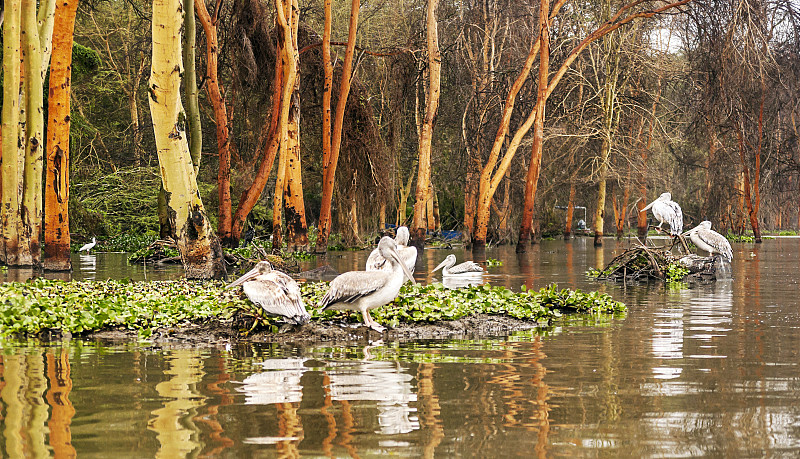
[317, 125]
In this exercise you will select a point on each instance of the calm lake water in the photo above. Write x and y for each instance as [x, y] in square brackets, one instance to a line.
[710, 371]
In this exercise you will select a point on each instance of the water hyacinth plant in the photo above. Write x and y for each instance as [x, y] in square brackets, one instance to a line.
[77, 307]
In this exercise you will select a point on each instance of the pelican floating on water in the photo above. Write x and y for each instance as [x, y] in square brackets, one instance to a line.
[88, 247]
[365, 290]
[276, 293]
[450, 268]
[709, 240]
[667, 211]
[408, 254]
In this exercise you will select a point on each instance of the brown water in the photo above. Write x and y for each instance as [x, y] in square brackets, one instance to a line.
[709, 371]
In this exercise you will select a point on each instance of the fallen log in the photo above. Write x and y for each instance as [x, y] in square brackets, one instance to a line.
[640, 264]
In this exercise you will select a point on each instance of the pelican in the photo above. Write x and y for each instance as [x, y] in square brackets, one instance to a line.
[376, 262]
[468, 268]
[667, 211]
[365, 290]
[709, 240]
[276, 293]
[88, 247]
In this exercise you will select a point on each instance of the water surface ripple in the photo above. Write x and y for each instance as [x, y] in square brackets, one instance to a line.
[708, 371]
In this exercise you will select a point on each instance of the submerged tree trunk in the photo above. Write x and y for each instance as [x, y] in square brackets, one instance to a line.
[11, 219]
[269, 151]
[534, 167]
[200, 250]
[332, 139]
[30, 246]
[214, 87]
[570, 210]
[294, 207]
[56, 223]
[426, 135]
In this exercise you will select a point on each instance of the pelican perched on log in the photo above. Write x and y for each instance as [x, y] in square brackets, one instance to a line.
[450, 268]
[364, 290]
[276, 293]
[709, 240]
[408, 254]
[667, 211]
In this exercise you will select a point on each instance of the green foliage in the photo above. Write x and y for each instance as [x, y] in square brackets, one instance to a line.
[122, 202]
[76, 307]
[740, 237]
[787, 233]
[491, 262]
[433, 302]
[84, 60]
[675, 275]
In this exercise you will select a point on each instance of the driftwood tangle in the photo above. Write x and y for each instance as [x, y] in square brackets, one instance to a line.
[645, 264]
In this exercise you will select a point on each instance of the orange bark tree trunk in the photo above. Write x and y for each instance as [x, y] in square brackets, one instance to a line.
[214, 88]
[56, 218]
[270, 147]
[332, 135]
[426, 134]
[532, 180]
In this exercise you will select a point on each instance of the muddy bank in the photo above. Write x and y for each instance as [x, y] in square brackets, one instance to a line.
[220, 333]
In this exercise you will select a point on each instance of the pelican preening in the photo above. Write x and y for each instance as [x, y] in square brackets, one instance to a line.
[365, 290]
[276, 293]
[88, 247]
[376, 262]
[468, 268]
[709, 240]
[667, 211]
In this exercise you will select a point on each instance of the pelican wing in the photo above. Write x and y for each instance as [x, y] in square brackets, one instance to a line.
[409, 256]
[277, 297]
[466, 267]
[674, 217]
[376, 262]
[349, 287]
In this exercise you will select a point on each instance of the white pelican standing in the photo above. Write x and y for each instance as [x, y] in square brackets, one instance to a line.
[364, 290]
[88, 247]
[376, 262]
[276, 293]
[667, 211]
[709, 240]
[449, 268]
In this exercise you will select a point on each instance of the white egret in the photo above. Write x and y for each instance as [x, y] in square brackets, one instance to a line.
[88, 247]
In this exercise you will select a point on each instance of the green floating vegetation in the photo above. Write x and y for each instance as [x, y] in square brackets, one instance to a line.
[433, 302]
[491, 262]
[740, 237]
[77, 307]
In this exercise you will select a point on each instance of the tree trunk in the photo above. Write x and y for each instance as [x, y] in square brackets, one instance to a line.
[426, 134]
[534, 168]
[405, 192]
[30, 246]
[570, 210]
[214, 88]
[190, 86]
[331, 155]
[56, 222]
[200, 250]
[294, 207]
[11, 219]
[270, 149]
